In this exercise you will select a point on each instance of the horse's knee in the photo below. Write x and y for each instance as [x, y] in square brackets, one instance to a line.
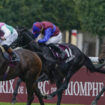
[64, 86]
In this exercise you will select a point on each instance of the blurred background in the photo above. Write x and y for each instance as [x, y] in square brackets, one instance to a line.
[81, 21]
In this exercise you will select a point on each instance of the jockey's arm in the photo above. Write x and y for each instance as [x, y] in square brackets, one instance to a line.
[35, 34]
[6, 31]
[47, 35]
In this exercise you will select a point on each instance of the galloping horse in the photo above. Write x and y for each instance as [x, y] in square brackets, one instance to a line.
[101, 60]
[56, 72]
[28, 69]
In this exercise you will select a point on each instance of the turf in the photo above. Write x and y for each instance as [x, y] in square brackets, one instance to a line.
[2, 103]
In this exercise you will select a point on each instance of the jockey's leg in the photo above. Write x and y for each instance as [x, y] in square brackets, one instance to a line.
[58, 49]
[11, 53]
[52, 43]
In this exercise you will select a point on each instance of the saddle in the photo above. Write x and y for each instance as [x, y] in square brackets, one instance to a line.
[9, 57]
[11, 63]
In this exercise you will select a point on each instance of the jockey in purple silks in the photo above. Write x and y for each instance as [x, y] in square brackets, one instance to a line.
[50, 32]
[7, 36]
[51, 35]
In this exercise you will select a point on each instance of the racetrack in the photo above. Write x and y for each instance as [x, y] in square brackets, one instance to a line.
[2, 103]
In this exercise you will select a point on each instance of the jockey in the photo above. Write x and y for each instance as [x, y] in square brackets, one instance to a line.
[7, 36]
[51, 34]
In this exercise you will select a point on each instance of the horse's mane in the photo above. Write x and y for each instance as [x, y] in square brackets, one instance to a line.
[25, 31]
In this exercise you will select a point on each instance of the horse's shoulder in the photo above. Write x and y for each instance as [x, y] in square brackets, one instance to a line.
[21, 50]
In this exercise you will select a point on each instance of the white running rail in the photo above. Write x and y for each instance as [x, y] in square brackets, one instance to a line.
[94, 59]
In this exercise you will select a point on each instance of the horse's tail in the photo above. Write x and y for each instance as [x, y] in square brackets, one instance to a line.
[91, 67]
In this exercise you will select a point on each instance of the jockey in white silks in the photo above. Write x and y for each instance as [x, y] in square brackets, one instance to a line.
[8, 35]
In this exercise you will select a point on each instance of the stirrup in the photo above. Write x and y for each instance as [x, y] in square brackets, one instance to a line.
[15, 60]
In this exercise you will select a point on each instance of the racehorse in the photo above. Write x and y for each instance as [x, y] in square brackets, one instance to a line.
[28, 69]
[102, 54]
[57, 71]
[101, 60]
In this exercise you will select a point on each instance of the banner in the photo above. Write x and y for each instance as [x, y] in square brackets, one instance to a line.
[82, 89]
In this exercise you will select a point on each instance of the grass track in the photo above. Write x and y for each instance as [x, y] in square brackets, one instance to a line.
[2, 103]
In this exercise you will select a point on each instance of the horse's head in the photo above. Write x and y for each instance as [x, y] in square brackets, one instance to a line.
[102, 55]
[24, 37]
[24, 31]
[26, 40]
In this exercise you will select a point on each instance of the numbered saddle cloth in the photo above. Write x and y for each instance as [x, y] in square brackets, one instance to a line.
[68, 53]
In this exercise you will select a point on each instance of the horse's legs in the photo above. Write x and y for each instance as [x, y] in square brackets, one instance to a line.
[94, 102]
[30, 96]
[30, 78]
[64, 85]
[31, 85]
[58, 84]
[43, 77]
[16, 91]
[38, 94]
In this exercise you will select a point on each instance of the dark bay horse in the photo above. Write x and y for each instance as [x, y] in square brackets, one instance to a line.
[28, 69]
[57, 72]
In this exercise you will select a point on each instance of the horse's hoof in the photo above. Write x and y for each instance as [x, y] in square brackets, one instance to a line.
[13, 102]
[44, 96]
[94, 103]
[47, 97]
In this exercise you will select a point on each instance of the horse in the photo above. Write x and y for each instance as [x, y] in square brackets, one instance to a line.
[57, 71]
[102, 54]
[28, 69]
[101, 60]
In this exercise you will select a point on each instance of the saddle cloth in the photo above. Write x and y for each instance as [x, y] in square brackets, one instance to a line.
[68, 53]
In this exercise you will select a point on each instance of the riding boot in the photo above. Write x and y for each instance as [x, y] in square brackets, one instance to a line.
[14, 58]
[59, 50]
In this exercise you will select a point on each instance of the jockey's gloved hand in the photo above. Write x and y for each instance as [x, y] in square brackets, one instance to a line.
[41, 44]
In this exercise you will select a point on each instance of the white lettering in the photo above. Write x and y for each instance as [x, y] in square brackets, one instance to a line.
[21, 90]
[83, 88]
[11, 86]
[6, 86]
[44, 87]
[101, 85]
[95, 89]
[89, 86]
[53, 89]
[40, 86]
[2, 84]
[76, 88]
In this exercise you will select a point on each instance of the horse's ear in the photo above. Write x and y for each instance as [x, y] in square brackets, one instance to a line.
[20, 29]
[17, 28]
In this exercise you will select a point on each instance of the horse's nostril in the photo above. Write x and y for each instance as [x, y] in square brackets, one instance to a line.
[101, 60]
